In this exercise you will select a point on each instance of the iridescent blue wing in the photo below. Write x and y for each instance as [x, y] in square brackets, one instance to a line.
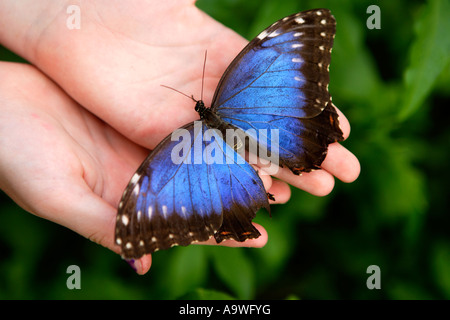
[189, 190]
[280, 81]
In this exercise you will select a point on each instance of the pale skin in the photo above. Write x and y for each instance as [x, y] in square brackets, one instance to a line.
[78, 121]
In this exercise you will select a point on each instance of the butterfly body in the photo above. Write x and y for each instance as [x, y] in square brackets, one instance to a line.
[211, 119]
[275, 95]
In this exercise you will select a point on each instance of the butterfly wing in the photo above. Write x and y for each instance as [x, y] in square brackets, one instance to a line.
[280, 81]
[189, 190]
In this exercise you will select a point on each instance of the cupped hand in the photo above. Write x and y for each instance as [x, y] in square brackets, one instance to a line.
[77, 124]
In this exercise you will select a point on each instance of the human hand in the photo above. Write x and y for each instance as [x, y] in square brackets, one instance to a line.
[71, 167]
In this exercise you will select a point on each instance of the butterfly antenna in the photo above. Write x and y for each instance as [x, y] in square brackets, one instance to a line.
[184, 94]
[203, 75]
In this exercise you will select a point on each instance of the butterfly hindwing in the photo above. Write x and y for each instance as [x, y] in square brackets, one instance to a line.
[280, 82]
[169, 202]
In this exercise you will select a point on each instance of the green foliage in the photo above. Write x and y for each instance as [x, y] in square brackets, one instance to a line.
[429, 55]
[393, 84]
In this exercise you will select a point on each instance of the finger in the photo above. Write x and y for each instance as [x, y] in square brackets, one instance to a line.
[265, 178]
[254, 243]
[281, 192]
[279, 189]
[344, 124]
[94, 218]
[141, 265]
[341, 163]
[318, 182]
[86, 213]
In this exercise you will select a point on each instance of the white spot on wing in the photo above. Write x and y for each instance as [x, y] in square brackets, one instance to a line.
[297, 45]
[296, 60]
[150, 212]
[125, 220]
[136, 190]
[298, 34]
[273, 34]
[323, 21]
[128, 245]
[300, 20]
[135, 178]
[262, 35]
[119, 241]
[164, 210]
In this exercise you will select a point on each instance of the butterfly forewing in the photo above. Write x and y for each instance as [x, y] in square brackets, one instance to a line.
[280, 82]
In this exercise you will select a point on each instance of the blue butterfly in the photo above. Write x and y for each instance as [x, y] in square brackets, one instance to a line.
[277, 84]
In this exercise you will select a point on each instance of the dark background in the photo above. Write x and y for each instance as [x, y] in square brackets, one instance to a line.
[393, 84]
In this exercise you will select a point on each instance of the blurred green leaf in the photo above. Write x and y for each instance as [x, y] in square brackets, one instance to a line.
[304, 206]
[442, 83]
[360, 78]
[235, 269]
[268, 12]
[440, 263]
[429, 55]
[205, 294]
[403, 290]
[26, 237]
[274, 255]
[186, 270]
[403, 189]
